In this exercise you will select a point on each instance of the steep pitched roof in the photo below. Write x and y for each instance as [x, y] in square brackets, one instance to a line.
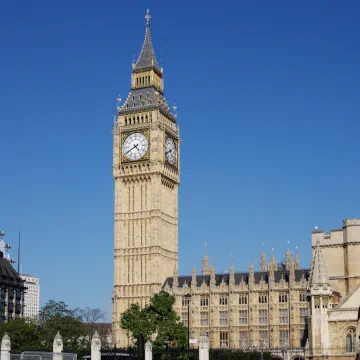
[147, 58]
[319, 273]
[351, 300]
[243, 276]
[146, 99]
[8, 275]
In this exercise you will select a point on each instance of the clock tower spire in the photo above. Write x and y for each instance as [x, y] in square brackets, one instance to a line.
[146, 175]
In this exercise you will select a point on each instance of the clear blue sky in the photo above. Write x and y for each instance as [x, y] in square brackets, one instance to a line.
[268, 104]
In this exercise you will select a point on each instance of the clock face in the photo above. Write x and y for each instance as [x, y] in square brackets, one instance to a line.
[135, 146]
[170, 150]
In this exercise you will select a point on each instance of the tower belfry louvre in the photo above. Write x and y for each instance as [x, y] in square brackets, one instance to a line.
[146, 179]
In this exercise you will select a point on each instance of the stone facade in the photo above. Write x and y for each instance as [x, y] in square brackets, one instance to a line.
[267, 308]
[341, 251]
[334, 292]
[146, 174]
[280, 307]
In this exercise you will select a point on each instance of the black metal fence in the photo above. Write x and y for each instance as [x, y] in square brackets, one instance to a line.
[179, 354]
[120, 354]
[175, 354]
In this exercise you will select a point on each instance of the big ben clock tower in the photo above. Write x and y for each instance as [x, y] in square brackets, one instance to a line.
[146, 175]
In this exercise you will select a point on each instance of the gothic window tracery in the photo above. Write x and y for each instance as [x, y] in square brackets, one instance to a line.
[243, 299]
[263, 299]
[223, 300]
[350, 340]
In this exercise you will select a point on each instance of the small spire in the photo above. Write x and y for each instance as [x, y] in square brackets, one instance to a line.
[176, 278]
[147, 57]
[193, 277]
[212, 275]
[147, 17]
[263, 266]
[319, 273]
[205, 263]
[297, 259]
[273, 260]
[288, 259]
[251, 273]
[251, 265]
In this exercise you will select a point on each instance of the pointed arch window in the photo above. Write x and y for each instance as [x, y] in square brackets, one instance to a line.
[348, 343]
[350, 340]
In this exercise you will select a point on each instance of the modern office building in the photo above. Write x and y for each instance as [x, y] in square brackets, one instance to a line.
[32, 296]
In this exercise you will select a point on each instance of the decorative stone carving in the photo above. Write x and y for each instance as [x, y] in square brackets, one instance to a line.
[148, 346]
[96, 342]
[5, 343]
[204, 347]
[95, 347]
[58, 344]
[148, 350]
[5, 347]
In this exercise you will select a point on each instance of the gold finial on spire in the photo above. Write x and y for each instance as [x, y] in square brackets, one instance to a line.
[147, 17]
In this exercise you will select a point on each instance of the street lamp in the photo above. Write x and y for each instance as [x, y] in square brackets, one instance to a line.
[188, 297]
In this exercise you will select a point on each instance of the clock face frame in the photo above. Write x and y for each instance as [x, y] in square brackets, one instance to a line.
[135, 146]
[170, 151]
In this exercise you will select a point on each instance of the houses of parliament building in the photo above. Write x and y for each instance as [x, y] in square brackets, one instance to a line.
[280, 306]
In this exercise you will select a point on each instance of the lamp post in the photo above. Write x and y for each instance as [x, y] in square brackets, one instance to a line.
[188, 297]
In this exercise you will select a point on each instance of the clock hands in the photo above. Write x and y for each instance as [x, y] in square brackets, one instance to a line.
[134, 147]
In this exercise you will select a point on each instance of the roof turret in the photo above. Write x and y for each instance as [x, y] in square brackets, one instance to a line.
[319, 273]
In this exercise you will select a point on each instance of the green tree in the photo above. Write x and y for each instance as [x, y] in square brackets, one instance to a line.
[54, 309]
[158, 318]
[23, 333]
[56, 316]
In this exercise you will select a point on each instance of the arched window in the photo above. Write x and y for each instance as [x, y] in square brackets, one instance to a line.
[350, 340]
[348, 343]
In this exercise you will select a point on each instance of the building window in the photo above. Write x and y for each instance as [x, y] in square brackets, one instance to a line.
[317, 302]
[350, 341]
[284, 335]
[204, 301]
[262, 299]
[204, 318]
[303, 315]
[223, 300]
[263, 316]
[263, 337]
[282, 298]
[184, 318]
[243, 318]
[303, 337]
[243, 299]
[224, 339]
[283, 316]
[302, 297]
[243, 339]
[325, 303]
[223, 318]
[185, 301]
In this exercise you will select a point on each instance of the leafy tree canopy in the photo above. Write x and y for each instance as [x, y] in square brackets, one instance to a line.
[158, 319]
[33, 334]
[54, 310]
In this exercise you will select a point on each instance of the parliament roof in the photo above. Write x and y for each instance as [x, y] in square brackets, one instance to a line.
[239, 277]
[8, 275]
